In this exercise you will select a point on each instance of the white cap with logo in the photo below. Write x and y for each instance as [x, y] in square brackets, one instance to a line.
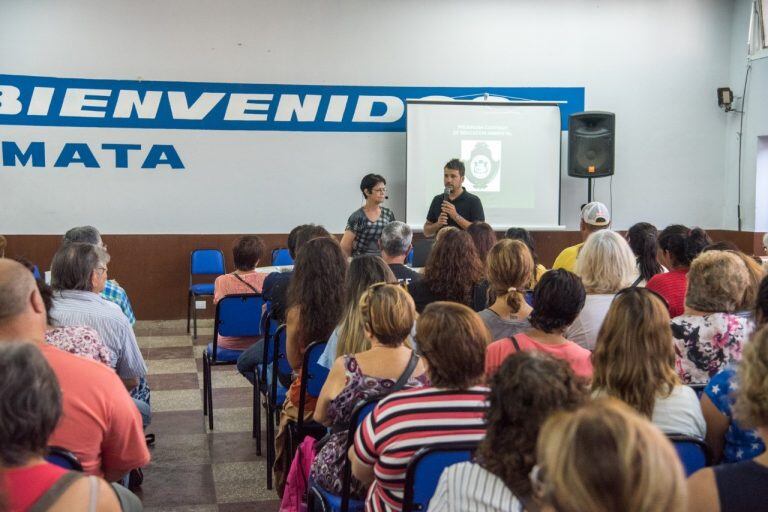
[596, 214]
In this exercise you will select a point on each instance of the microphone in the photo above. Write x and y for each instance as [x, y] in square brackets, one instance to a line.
[447, 192]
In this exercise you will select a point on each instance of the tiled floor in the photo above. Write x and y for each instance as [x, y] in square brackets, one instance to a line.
[192, 468]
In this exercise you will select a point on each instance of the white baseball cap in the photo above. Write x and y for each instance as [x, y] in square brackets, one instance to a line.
[596, 214]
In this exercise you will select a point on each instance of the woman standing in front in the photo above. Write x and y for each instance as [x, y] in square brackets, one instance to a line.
[364, 226]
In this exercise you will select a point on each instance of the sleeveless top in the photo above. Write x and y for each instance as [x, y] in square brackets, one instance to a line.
[329, 462]
[742, 486]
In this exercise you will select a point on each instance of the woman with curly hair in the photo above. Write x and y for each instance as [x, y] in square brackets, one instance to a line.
[558, 299]
[454, 272]
[634, 360]
[315, 306]
[742, 485]
[526, 390]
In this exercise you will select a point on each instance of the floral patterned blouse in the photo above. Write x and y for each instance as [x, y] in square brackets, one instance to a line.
[705, 345]
[80, 340]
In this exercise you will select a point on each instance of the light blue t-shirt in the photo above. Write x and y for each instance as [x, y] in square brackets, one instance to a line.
[329, 354]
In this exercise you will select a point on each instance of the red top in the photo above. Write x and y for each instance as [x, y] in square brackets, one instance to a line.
[24, 486]
[578, 357]
[671, 286]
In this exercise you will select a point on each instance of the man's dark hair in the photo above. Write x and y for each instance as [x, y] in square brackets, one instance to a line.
[455, 164]
[30, 403]
[73, 264]
[369, 181]
[84, 234]
[247, 252]
[558, 299]
[307, 233]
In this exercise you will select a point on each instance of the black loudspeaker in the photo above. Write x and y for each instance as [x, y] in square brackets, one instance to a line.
[591, 144]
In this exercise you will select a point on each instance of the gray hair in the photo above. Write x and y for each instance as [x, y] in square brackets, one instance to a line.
[84, 234]
[396, 238]
[73, 264]
[16, 285]
[30, 403]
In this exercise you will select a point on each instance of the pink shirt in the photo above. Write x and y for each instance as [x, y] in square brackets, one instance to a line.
[578, 357]
[229, 284]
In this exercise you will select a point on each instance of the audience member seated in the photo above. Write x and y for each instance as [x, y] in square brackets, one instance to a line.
[728, 440]
[112, 290]
[78, 276]
[99, 422]
[679, 246]
[510, 272]
[606, 265]
[483, 237]
[558, 299]
[634, 361]
[756, 273]
[80, 340]
[315, 307]
[30, 407]
[388, 314]
[643, 240]
[247, 252]
[396, 242]
[275, 290]
[526, 390]
[453, 272]
[452, 340]
[709, 335]
[524, 236]
[349, 336]
[603, 458]
[594, 217]
[742, 485]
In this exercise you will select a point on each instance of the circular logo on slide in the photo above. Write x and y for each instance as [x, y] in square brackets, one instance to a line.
[482, 167]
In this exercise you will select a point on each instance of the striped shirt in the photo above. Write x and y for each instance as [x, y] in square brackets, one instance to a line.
[75, 307]
[408, 420]
[469, 487]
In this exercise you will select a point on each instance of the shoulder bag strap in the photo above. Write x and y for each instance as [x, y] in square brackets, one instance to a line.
[409, 368]
[515, 343]
[245, 283]
[55, 492]
[637, 282]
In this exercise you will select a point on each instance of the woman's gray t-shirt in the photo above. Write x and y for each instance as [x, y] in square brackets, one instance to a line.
[500, 328]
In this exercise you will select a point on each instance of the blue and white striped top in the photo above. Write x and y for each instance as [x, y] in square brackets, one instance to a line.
[75, 307]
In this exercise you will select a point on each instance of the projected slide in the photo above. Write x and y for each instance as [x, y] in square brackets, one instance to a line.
[511, 153]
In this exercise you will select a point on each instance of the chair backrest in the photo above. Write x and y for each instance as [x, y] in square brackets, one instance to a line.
[361, 410]
[237, 315]
[313, 376]
[281, 256]
[694, 453]
[206, 262]
[63, 458]
[279, 358]
[421, 250]
[36, 272]
[425, 469]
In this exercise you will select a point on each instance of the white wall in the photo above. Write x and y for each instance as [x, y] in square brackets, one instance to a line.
[655, 63]
[755, 126]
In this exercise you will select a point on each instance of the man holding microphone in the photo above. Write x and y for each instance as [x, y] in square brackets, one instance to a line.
[455, 206]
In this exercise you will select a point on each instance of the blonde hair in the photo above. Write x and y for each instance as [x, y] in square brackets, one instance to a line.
[716, 282]
[634, 358]
[510, 271]
[756, 272]
[388, 311]
[606, 264]
[751, 408]
[605, 457]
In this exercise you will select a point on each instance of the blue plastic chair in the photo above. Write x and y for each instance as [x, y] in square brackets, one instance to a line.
[313, 377]
[63, 458]
[425, 469]
[281, 257]
[268, 327]
[36, 273]
[278, 368]
[694, 453]
[236, 315]
[202, 262]
[327, 501]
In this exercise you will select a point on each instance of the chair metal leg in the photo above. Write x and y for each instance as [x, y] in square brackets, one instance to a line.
[189, 309]
[205, 385]
[210, 396]
[194, 316]
[270, 444]
[257, 416]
